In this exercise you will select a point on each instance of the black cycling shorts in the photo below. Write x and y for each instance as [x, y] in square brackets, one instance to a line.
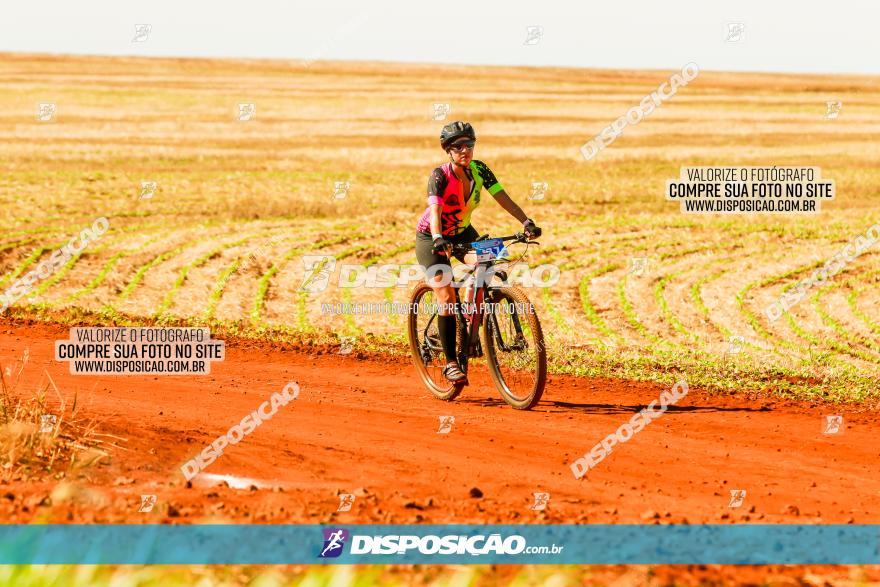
[426, 258]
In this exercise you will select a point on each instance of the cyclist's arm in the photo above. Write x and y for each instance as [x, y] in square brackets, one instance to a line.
[436, 226]
[508, 204]
[436, 187]
[493, 186]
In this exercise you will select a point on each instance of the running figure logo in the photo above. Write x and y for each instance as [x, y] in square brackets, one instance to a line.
[142, 33]
[334, 540]
[340, 189]
[148, 189]
[247, 111]
[533, 35]
[47, 423]
[346, 344]
[638, 266]
[735, 344]
[541, 501]
[440, 111]
[446, 423]
[735, 32]
[147, 503]
[346, 500]
[317, 272]
[832, 109]
[737, 496]
[833, 424]
[46, 111]
[539, 188]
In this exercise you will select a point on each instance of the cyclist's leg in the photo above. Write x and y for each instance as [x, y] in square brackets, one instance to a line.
[438, 275]
[468, 235]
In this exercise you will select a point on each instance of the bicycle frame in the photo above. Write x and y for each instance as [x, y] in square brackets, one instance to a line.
[479, 291]
[475, 309]
[473, 314]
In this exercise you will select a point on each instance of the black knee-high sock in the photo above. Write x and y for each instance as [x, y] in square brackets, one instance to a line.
[446, 326]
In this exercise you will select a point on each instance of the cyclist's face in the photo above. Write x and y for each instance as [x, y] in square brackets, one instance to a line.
[461, 155]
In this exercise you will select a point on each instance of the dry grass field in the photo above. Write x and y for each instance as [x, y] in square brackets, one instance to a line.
[237, 204]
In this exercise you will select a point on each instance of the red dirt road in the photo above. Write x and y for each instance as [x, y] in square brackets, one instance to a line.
[368, 427]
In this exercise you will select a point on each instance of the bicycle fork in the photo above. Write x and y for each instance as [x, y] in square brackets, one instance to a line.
[519, 341]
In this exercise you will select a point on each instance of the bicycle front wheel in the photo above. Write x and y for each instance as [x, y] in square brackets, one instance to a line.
[424, 341]
[514, 347]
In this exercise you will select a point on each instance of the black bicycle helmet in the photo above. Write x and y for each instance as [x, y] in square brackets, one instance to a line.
[456, 130]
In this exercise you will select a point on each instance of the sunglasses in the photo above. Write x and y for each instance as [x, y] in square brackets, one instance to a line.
[459, 147]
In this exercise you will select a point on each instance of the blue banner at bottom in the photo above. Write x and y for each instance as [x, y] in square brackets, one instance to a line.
[607, 544]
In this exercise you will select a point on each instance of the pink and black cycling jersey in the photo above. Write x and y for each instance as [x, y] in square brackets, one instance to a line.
[445, 189]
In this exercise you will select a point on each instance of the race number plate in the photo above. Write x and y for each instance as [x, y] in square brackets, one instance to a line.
[488, 250]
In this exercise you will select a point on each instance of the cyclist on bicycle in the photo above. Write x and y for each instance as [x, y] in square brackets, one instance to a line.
[453, 194]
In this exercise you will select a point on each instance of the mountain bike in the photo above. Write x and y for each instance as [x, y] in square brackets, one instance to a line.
[510, 330]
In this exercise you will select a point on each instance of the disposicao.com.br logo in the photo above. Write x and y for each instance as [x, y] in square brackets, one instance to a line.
[449, 544]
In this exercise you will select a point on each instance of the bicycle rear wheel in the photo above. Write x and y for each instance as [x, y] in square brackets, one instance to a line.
[424, 341]
[514, 346]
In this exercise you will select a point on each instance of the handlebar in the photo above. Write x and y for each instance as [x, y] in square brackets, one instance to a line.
[519, 237]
